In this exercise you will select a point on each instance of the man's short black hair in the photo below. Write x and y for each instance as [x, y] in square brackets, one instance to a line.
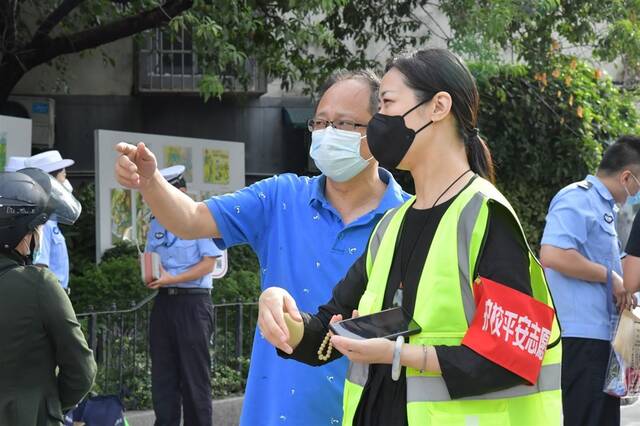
[623, 153]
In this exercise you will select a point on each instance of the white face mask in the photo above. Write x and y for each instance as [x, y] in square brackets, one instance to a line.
[337, 153]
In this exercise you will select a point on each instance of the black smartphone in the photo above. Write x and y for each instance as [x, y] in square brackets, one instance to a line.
[389, 323]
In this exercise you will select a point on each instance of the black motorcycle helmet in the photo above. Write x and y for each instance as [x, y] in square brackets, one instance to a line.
[28, 198]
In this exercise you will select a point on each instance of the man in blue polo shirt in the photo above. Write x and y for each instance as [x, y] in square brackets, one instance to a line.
[306, 232]
[581, 253]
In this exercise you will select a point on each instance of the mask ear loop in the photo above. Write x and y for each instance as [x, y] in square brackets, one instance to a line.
[424, 127]
[370, 158]
[415, 107]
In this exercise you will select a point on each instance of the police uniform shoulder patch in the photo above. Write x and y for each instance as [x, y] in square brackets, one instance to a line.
[585, 184]
[159, 235]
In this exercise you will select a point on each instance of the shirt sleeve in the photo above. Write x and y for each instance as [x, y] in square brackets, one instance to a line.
[44, 250]
[77, 368]
[567, 221]
[345, 298]
[208, 248]
[633, 244]
[243, 216]
[505, 260]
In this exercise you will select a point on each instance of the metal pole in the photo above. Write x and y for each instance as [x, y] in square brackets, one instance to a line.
[121, 355]
[239, 314]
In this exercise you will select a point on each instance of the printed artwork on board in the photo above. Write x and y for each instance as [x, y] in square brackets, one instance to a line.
[121, 223]
[179, 155]
[143, 219]
[216, 166]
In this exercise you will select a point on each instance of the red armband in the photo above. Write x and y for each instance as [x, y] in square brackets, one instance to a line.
[509, 328]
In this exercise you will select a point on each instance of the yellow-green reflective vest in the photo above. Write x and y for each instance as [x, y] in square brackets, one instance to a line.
[446, 285]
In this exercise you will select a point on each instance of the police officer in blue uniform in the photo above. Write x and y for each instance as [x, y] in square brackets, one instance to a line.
[181, 322]
[53, 249]
[581, 253]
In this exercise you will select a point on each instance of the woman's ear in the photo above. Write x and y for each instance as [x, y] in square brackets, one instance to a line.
[440, 106]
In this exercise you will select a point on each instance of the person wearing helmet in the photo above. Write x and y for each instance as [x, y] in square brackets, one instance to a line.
[53, 248]
[46, 365]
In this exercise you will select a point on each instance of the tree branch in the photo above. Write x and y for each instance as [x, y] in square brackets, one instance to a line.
[55, 18]
[107, 33]
[8, 15]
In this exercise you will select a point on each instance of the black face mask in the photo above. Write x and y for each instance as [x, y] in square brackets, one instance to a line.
[389, 138]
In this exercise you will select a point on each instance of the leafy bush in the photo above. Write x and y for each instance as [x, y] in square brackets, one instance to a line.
[81, 237]
[114, 282]
[546, 130]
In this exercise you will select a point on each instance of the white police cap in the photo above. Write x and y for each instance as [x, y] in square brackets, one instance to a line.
[48, 161]
[14, 164]
[172, 173]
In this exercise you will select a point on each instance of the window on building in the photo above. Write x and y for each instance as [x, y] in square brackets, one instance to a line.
[168, 63]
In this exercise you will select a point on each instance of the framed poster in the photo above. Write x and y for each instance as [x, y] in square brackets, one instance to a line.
[15, 138]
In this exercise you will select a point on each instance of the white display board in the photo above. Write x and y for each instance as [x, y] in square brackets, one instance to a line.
[15, 138]
[213, 167]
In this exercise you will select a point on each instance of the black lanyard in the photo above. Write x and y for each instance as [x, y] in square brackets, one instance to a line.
[398, 295]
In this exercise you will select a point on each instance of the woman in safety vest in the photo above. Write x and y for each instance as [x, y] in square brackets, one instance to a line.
[455, 258]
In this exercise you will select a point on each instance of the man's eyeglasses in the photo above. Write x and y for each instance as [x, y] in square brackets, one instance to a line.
[319, 124]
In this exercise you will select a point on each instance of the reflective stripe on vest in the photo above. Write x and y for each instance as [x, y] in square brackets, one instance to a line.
[434, 389]
[378, 233]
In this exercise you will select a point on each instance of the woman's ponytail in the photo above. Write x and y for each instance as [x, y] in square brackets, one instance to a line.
[479, 156]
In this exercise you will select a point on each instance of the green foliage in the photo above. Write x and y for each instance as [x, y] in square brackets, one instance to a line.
[227, 380]
[540, 31]
[295, 41]
[115, 281]
[242, 282]
[548, 130]
[81, 237]
[300, 42]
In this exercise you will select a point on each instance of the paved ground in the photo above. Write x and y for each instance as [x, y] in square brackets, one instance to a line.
[227, 413]
[631, 415]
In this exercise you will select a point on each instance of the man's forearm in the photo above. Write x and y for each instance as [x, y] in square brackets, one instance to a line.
[572, 264]
[631, 266]
[176, 211]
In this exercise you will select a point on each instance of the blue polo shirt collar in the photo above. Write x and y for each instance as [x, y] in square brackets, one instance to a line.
[392, 195]
[601, 188]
